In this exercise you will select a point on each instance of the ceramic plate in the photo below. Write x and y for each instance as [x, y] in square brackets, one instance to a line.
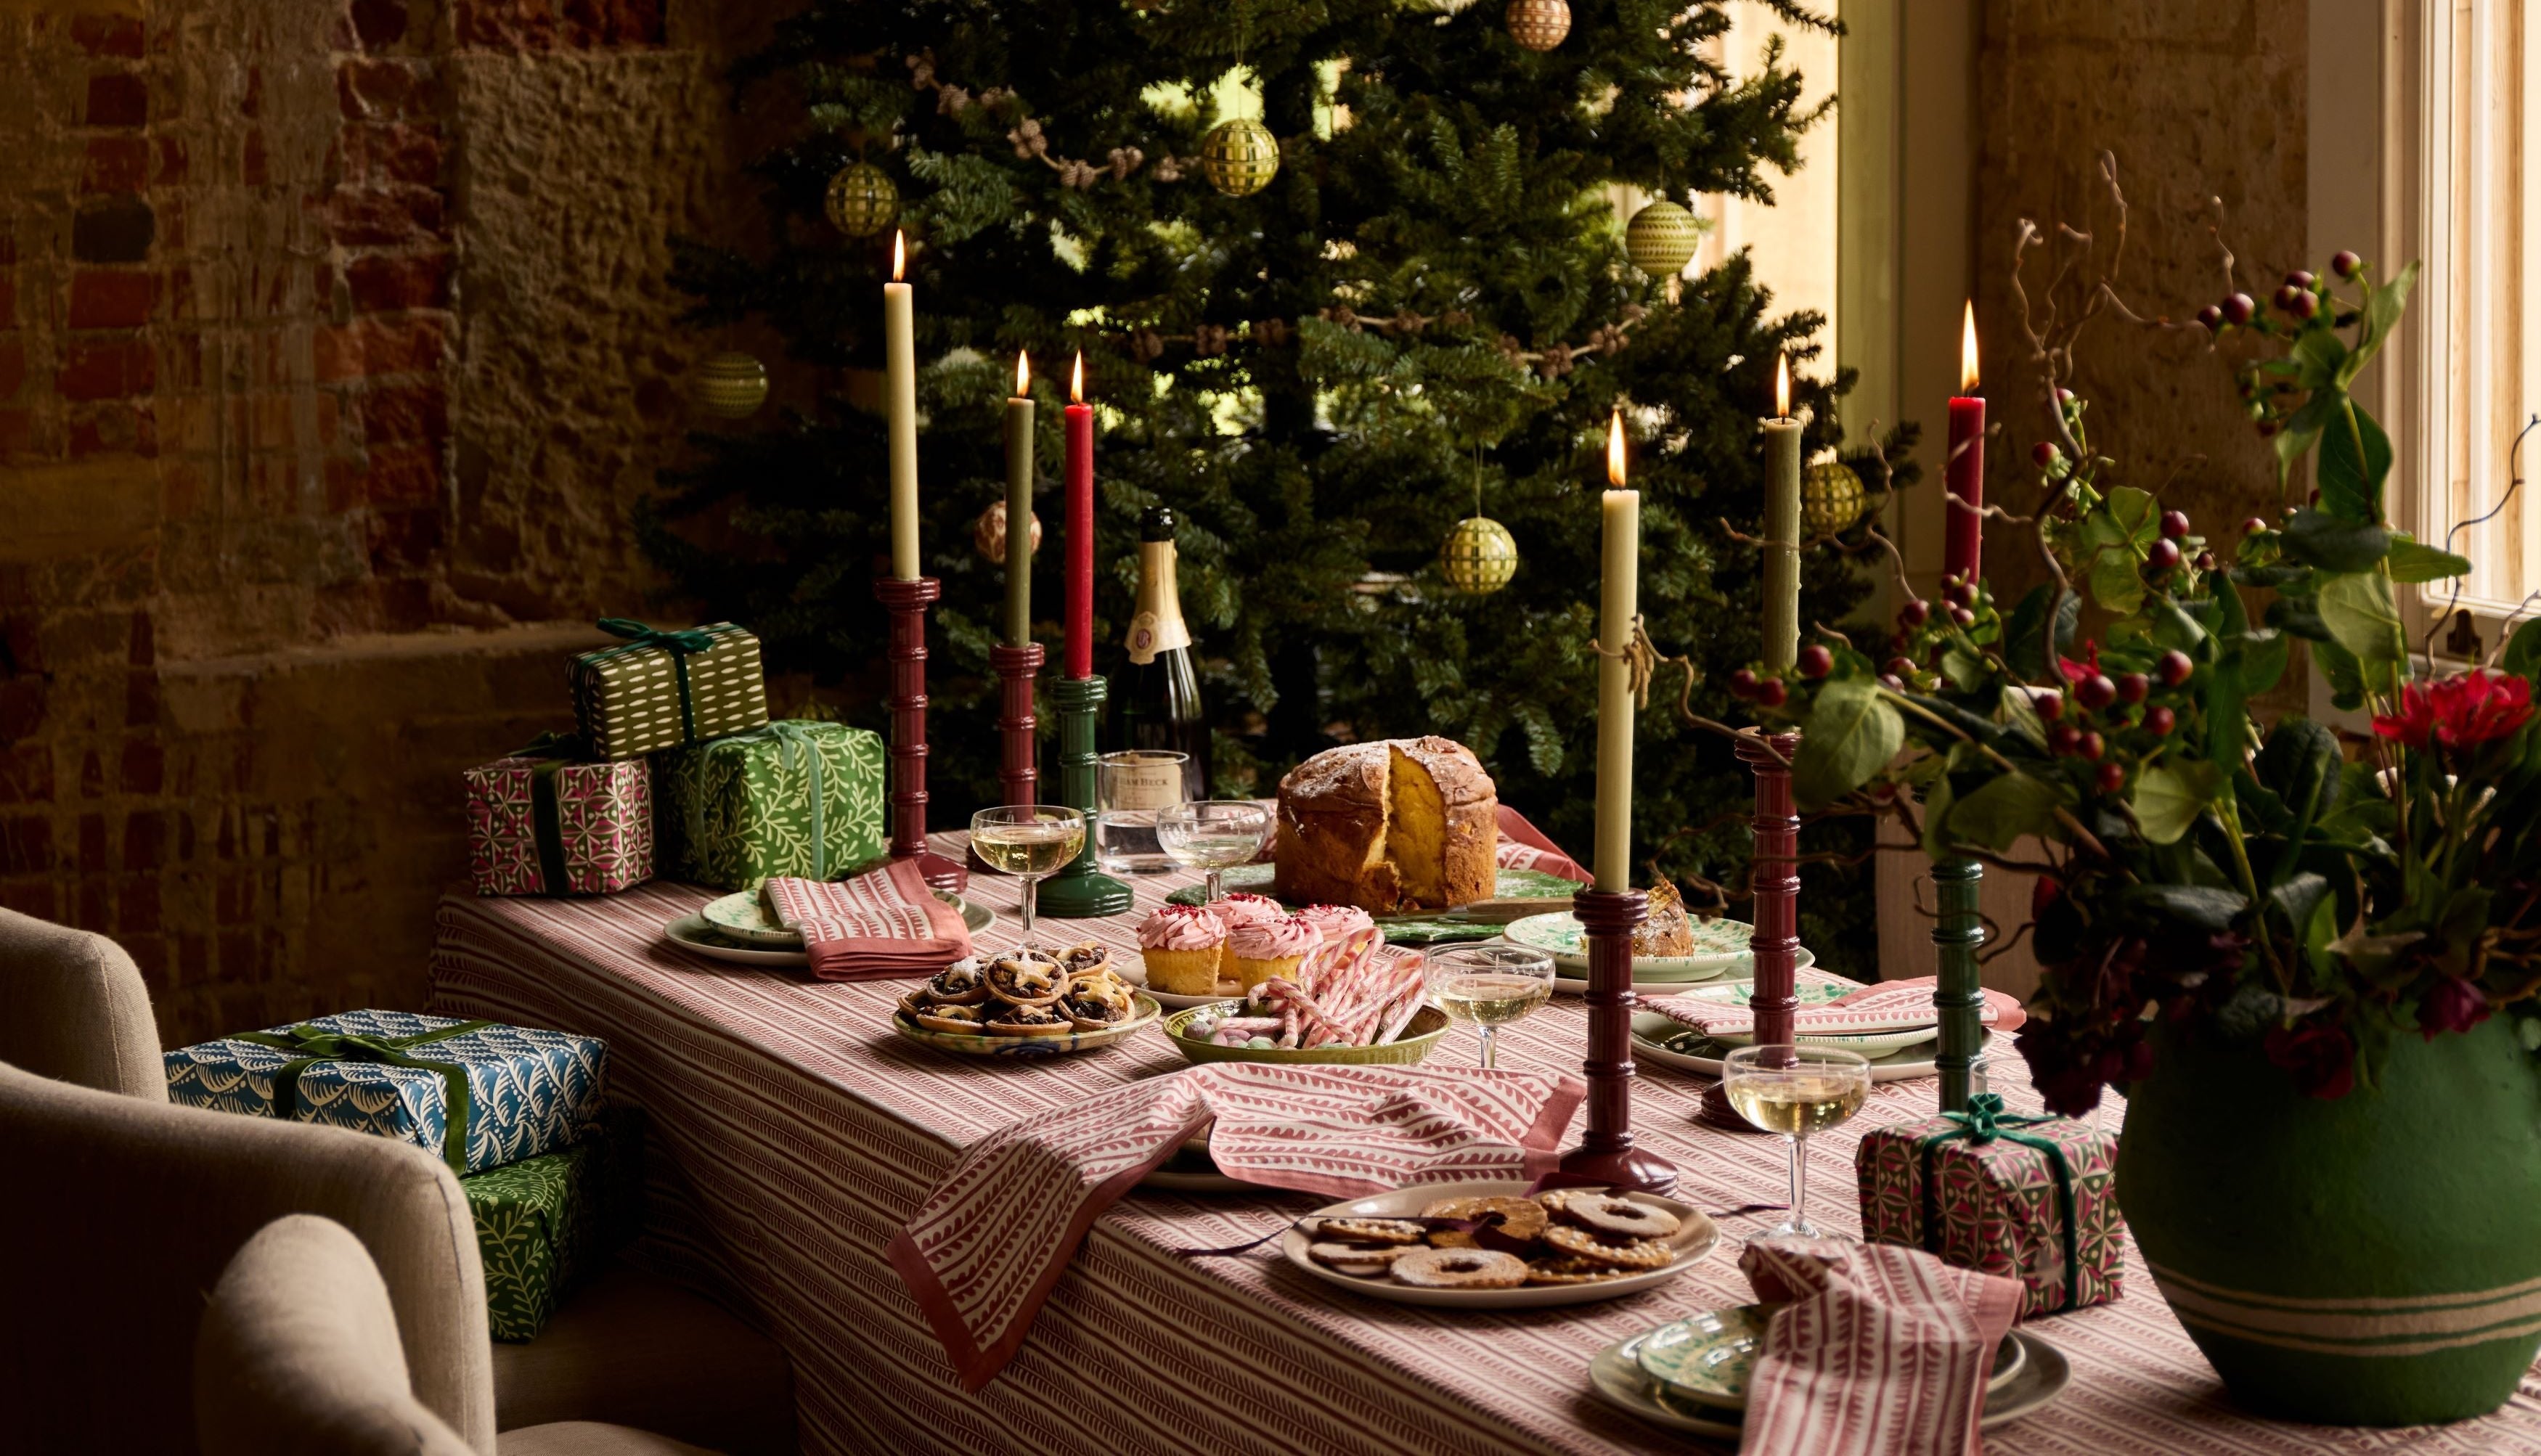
[1420, 1035]
[1709, 1358]
[1228, 989]
[1424, 927]
[743, 915]
[1580, 983]
[694, 934]
[985, 1045]
[1694, 1239]
[1657, 1039]
[1617, 1377]
[1873, 1045]
[1719, 947]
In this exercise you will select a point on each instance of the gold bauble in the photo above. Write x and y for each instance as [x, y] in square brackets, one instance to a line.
[862, 200]
[1239, 157]
[731, 386]
[988, 533]
[1478, 557]
[1831, 499]
[1538, 25]
[1661, 238]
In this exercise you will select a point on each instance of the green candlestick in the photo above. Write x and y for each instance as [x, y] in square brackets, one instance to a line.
[1958, 995]
[1080, 891]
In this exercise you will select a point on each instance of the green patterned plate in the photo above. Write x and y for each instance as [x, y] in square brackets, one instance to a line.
[744, 918]
[1719, 947]
[1710, 1358]
[1428, 1024]
[987, 1045]
[1427, 928]
[2038, 1375]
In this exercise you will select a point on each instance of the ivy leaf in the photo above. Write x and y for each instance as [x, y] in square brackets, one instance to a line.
[2300, 762]
[2523, 649]
[2028, 648]
[2020, 714]
[2007, 807]
[1966, 669]
[2358, 612]
[2410, 561]
[2199, 907]
[2168, 798]
[2273, 578]
[2355, 457]
[2346, 675]
[2318, 353]
[1937, 809]
[2299, 616]
[2263, 660]
[2116, 584]
[2227, 697]
[2334, 543]
[2382, 309]
[1853, 733]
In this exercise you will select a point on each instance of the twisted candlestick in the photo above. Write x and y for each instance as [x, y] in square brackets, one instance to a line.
[1080, 891]
[1606, 1154]
[908, 600]
[1958, 994]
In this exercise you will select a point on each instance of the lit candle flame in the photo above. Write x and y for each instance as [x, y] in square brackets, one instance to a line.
[1782, 387]
[1077, 381]
[1968, 351]
[1615, 448]
[1023, 374]
[899, 255]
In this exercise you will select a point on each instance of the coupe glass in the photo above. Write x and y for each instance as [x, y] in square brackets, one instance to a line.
[1795, 1091]
[1029, 841]
[1490, 986]
[1214, 835]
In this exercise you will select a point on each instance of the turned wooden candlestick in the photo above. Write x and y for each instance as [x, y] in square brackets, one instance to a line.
[1080, 891]
[906, 601]
[1776, 944]
[1018, 763]
[1958, 992]
[1606, 1154]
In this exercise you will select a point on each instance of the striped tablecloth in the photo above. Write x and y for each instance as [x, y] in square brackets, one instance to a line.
[810, 1133]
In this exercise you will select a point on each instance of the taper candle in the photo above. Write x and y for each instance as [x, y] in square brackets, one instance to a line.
[1782, 545]
[1963, 474]
[1019, 494]
[1619, 603]
[899, 367]
[1080, 526]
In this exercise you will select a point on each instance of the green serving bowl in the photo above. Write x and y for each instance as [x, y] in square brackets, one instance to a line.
[1428, 1024]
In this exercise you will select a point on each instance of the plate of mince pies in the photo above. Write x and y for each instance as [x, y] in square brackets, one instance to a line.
[1025, 1003]
[1493, 1245]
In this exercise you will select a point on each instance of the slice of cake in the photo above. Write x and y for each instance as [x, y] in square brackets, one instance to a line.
[1401, 824]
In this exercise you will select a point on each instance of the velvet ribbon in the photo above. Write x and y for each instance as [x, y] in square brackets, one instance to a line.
[310, 1045]
[553, 751]
[1984, 1122]
[798, 746]
[642, 639]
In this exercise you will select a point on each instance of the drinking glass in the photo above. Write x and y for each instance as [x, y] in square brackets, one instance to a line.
[1029, 841]
[1214, 835]
[1795, 1091]
[1490, 986]
[1131, 788]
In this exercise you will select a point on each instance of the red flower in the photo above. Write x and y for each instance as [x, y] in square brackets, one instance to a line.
[2321, 1057]
[2075, 672]
[2460, 711]
[2454, 1005]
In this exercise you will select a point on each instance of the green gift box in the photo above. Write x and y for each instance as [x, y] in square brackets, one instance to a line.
[795, 797]
[659, 690]
[543, 1222]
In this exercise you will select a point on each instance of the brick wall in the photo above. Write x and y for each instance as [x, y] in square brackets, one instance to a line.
[334, 349]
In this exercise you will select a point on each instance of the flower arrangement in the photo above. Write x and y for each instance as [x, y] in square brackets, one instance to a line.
[2257, 882]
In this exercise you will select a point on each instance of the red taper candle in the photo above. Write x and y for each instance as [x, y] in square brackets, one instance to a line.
[1080, 527]
[1963, 474]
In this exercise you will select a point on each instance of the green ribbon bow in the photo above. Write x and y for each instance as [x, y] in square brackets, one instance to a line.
[798, 746]
[642, 639]
[310, 1045]
[1984, 1122]
[552, 752]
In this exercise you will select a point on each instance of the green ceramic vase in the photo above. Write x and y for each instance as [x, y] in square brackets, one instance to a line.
[2370, 1260]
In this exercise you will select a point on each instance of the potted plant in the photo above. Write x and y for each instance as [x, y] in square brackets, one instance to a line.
[2311, 965]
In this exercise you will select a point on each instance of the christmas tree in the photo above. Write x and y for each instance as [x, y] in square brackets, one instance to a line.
[1430, 304]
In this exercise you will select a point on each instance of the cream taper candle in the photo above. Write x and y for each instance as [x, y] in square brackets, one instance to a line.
[1619, 603]
[1782, 545]
[900, 399]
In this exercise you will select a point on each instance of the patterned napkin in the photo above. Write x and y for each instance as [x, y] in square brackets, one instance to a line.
[1884, 1007]
[880, 926]
[1524, 846]
[989, 1242]
[1882, 1350]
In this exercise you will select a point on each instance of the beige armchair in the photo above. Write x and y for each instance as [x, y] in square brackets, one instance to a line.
[72, 1007]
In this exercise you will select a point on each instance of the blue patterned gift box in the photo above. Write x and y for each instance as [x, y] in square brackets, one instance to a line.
[506, 1092]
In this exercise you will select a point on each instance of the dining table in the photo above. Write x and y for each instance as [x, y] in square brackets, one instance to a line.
[794, 1133]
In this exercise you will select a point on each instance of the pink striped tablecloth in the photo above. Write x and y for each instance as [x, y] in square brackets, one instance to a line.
[809, 1134]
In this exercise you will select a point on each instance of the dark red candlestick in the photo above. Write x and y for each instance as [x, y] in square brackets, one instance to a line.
[1963, 535]
[1018, 765]
[1776, 941]
[908, 602]
[1606, 1153]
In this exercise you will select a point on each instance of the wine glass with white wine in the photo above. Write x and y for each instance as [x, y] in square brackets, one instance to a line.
[1491, 987]
[1029, 841]
[1795, 1091]
[1214, 835]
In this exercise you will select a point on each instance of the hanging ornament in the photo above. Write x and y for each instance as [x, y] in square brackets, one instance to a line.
[1831, 497]
[988, 533]
[1538, 25]
[1239, 157]
[731, 386]
[1661, 238]
[1478, 557]
[862, 200]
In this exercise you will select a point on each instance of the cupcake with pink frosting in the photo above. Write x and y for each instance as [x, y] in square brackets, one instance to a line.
[1262, 949]
[1241, 908]
[1184, 947]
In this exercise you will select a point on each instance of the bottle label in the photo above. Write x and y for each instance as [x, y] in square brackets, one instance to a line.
[1143, 638]
[1158, 626]
[1156, 785]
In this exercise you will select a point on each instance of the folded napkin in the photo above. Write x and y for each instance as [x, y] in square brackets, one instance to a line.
[882, 924]
[989, 1242]
[1882, 1350]
[1524, 846]
[1883, 1006]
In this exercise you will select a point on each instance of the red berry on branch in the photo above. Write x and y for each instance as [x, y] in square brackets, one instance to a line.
[1742, 683]
[1816, 661]
[1963, 617]
[2063, 740]
[2204, 561]
[2158, 720]
[2050, 706]
[2091, 745]
[2240, 307]
[2267, 428]
[1899, 667]
[2285, 296]
[2163, 555]
[2298, 278]
[1772, 693]
[2175, 668]
[2044, 452]
[2111, 778]
[2063, 396]
[1960, 594]
[2095, 692]
[2305, 305]
[2211, 316]
[2346, 263]
[1914, 613]
[2174, 524]
[1892, 682]
[2253, 525]
[2131, 687]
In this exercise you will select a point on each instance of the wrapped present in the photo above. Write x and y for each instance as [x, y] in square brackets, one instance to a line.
[478, 1094]
[2034, 1199]
[542, 1223]
[795, 797]
[660, 690]
[539, 822]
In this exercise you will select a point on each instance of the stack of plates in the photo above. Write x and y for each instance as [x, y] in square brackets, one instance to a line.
[1894, 1057]
[739, 928]
[1719, 952]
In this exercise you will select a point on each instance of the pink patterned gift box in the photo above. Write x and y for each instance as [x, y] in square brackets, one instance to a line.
[544, 825]
[2034, 1199]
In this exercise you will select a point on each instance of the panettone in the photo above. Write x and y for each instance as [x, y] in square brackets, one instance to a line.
[1402, 823]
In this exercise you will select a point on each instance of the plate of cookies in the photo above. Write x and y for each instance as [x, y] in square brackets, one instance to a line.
[1493, 1245]
[1025, 1003]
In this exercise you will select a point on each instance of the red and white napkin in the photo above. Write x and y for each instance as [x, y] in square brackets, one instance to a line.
[880, 926]
[1524, 846]
[1882, 1350]
[1883, 1006]
[989, 1242]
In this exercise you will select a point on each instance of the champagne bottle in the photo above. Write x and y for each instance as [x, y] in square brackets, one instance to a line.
[1159, 696]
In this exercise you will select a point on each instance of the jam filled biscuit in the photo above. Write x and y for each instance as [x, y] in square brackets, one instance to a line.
[1608, 1216]
[1367, 1261]
[1372, 1230]
[1571, 1271]
[1459, 1268]
[1579, 1243]
[1522, 1219]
